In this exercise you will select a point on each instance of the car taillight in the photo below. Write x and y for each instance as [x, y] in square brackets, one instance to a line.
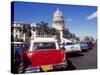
[63, 54]
[29, 54]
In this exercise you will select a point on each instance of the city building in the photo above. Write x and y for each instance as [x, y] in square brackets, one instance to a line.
[87, 38]
[17, 31]
[58, 21]
[24, 32]
[59, 24]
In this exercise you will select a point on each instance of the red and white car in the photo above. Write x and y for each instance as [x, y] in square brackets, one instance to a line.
[44, 54]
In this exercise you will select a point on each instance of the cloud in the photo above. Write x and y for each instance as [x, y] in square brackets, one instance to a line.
[92, 16]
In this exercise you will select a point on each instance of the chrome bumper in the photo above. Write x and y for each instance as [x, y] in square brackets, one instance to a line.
[31, 70]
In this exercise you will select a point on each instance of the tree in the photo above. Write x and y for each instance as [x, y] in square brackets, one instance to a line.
[33, 28]
[53, 31]
[44, 28]
[77, 39]
[28, 31]
[24, 30]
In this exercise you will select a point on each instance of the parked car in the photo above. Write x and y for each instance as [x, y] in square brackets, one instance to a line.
[17, 49]
[43, 55]
[90, 45]
[71, 47]
[83, 45]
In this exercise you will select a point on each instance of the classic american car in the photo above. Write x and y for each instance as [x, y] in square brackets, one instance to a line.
[70, 47]
[17, 48]
[90, 45]
[43, 55]
[85, 45]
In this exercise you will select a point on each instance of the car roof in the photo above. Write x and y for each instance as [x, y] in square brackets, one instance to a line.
[44, 39]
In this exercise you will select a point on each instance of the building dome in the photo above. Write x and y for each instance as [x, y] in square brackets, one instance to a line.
[58, 13]
[58, 16]
[58, 21]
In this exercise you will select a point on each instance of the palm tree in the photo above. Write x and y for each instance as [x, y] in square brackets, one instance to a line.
[44, 28]
[24, 30]
[53, 31]
[29, 31]
[77, 39]
[33, 28]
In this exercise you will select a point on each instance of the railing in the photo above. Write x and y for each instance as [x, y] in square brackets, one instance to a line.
[45, 36]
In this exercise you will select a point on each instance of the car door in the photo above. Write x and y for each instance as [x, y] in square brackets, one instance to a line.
[76, 47]
[69, 47]
[72, 45]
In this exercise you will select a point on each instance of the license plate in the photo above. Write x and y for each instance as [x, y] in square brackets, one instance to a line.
[46, 67]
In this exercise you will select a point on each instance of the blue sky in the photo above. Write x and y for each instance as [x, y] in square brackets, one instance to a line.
[80, 20]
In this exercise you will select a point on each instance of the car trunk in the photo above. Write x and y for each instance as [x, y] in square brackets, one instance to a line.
[43, 57]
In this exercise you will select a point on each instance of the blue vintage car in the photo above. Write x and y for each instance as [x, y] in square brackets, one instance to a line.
[90, 44]
[85, 45]
[17, 48]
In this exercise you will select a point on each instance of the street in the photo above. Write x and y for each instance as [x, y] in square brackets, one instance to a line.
[85, 60]
[82, 60]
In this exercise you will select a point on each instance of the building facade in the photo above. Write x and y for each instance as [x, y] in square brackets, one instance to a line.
[22, 31]
[59, 24]
[87, 38]
[18, 31]
[58, 21]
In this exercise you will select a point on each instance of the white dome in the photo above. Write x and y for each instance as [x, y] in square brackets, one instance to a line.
[58, 16]
[58, 21]
[58, 13]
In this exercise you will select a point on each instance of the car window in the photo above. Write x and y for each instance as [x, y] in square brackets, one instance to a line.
[42, 45]
[69, 43]
[83, 42]
[76, 42]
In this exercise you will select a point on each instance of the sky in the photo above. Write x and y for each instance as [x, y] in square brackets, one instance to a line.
[81, 20]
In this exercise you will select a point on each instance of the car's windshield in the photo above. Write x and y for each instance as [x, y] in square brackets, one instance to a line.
[69, 43]
[43, 45]
[83, 42]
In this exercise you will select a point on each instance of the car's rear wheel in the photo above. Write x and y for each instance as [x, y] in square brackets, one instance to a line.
[21, 68]
[66, 64]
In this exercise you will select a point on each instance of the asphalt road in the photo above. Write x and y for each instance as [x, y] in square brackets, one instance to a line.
[84, 60]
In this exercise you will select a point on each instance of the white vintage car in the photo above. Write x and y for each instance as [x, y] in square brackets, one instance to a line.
[70, 47]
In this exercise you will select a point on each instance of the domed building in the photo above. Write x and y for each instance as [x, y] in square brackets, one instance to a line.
[59, 24]
[58, 21]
